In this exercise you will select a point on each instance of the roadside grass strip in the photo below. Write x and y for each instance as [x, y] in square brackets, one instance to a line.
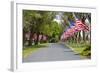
[30, 49]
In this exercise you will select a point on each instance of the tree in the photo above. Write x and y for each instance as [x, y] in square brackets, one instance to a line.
[34, 21]
[56, 30]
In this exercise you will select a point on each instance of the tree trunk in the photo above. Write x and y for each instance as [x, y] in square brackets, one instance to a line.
[30, 39]
[75, 38]
[41, 39]
[84, 38]
[37, 39]
[79, 37]
[23, 37]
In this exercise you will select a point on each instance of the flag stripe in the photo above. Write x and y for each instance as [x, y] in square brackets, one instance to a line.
[74, 28]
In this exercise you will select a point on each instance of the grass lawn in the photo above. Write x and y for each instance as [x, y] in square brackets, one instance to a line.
[30, 49]
[79, 47]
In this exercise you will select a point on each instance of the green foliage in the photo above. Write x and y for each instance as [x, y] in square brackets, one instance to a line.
[83, 48]
[30, 19]
[37, 22]
[87, 51]
[77, 47]
[52, 30]
[55, 28]
[56, 31]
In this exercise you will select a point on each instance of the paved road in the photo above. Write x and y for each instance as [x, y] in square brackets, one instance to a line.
[54, 52]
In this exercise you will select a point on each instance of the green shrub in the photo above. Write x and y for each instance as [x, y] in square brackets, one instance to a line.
[87, 51]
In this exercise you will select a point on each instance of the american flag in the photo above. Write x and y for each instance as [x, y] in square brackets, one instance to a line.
[74, 28]
[80, 26]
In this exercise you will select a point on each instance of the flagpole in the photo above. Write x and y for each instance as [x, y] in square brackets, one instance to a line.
[74, 15]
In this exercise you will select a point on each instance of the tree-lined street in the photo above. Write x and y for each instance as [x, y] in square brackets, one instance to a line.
[43, 30]
[54, 52]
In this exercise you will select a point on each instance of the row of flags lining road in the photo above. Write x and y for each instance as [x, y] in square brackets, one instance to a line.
[74, 27]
